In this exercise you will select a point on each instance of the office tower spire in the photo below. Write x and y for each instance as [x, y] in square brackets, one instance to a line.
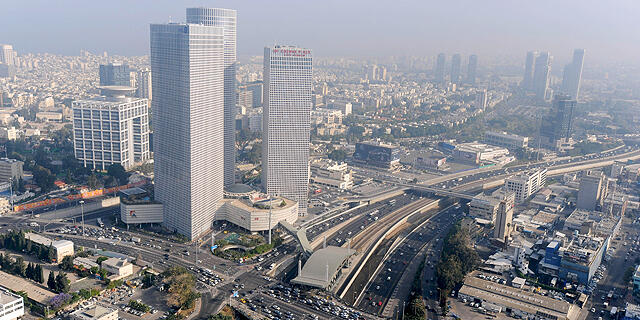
[286, 123]
[187, 69]
[439, 70]
[226, 19]
[573, 74]
[456, 62]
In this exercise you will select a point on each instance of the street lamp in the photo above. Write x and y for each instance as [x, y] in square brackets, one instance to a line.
[82, 213]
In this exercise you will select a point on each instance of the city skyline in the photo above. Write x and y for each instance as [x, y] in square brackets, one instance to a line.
[482, 34]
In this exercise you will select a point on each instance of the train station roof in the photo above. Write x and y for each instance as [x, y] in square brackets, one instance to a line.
[323, 266]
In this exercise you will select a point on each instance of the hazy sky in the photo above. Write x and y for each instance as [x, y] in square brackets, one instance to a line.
[607, 29]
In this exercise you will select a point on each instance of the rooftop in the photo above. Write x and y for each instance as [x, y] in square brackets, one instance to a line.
[92, 312]
[35, 293]
[322, 266]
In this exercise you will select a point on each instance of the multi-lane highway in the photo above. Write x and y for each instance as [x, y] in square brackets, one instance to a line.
[421, 237]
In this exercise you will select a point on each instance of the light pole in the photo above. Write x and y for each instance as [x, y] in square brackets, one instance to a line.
[82, 214]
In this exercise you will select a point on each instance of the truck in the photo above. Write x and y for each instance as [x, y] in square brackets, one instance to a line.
[100, 223]
[135, 239]
[273, 265]
[610, 295]
[614, 311]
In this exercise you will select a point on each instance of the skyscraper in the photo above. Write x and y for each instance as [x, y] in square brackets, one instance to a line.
[439, 70]
[472, 69]
[6, 54]
[456, 62]
[226, 19]
[573, 74]
[144, 84]
[111, 129]
[558, 124]
[286, 123]
[115, 74]
[541, 75]
[187, 69]
[529, 67]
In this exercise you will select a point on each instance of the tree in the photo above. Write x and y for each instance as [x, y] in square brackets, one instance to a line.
[39, 274]
[51, 253]
[67, 263]
[43, 178]
[338, 155]
[30, 271]
[62, 283]
[92, 181]
[51, 283]
[117, 171]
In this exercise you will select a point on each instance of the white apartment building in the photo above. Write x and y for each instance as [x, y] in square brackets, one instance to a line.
[144, 85]
[326, 116]
[111, 129]
[526, 184]
[225, 19]
[11, 305]
[10, 169]
[187, 69]
[286, 123]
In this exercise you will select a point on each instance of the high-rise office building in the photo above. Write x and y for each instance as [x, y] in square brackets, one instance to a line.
[456, 63]
[115, 74]
[572, 75]
[529, 67]
[439, 69]
[541, 75]
[558, 124]
[590, 191]
[472, 69]
[187, 70]
[6, 54]
[286, 123]
[144, 84]
[226, 19]
[111, 129]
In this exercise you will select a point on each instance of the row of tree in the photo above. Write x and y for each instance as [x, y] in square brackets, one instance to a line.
[15, 265]
[457, 259]
[16, 241]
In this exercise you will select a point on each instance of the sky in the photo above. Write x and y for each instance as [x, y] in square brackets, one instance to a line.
[608, 30]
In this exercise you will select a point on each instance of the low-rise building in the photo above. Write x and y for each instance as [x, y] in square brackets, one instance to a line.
[255, 211]
[503, 139]
[481, 153]
[119, 267]
[49, 116]
[376, 154]
[85, 262]
[62, 248]
[519, 302]
[526, 184]
[11, 305]
[10, 169]
[94, 312]
[137, 207]
[332, 174]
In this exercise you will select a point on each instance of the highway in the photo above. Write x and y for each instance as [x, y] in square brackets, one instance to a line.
[386, 278]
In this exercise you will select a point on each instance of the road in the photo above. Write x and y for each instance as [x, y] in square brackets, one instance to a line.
[385, 280]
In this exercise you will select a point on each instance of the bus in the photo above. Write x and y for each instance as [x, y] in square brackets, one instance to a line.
[100, 223]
